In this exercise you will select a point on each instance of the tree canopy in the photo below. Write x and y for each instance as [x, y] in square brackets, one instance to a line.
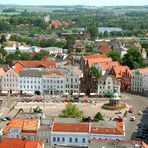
[95, 72]
[71, 111]
[115, 55]
[40, 55]
[133, 59]
[98, 117]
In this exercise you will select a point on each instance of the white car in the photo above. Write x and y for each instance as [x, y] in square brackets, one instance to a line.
[133, 118]
[140, 113]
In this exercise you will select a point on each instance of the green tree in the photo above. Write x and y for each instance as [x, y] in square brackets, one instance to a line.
[133, 59]
[3, 39]
[70, 41]
[40, 55]
[93, 30]
[95, 72]
[115, 55]
[71, 111]
[3, 52]
[98, 117]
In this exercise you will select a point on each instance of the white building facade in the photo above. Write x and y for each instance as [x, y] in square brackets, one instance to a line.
[10, 81]
[107, 85]
[145, 83]
[137, 80]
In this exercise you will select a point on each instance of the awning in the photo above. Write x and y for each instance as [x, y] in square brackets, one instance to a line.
[92, 94]
[82, 94]
[28, 92]
[66, 94]
[4, 92]
[14, 92]
[75, 94]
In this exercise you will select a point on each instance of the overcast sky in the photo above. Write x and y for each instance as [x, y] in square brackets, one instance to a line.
[76, 2]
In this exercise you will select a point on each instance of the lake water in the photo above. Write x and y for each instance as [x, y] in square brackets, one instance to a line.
[109, 29]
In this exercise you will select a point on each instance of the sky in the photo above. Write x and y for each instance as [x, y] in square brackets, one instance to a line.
[76, 2]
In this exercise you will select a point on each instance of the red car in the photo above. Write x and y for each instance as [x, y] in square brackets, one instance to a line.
[118, 118]
[85, 101]
[65, 100]
[131, 110]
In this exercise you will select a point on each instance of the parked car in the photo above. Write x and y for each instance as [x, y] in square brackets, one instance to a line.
[8, 118]
[118, 118]
[3, 119]
[131, 110]
[133, 118]
[140, 113]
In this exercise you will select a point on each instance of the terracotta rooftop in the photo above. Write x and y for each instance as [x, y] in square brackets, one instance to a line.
[25, 125]
[20, 143]
[110, 64]
[94, 143]
[119, 70]
[116, 130]
[104, 48]
[51, 72]
[31, 73]
[20, 64]
[96, 56]
[99, 60]
[70, 127]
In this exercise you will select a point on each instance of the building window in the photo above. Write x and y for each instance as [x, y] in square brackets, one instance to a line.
[70, 140]
[63, 139]
[83, 140]
[76, 140]
[58, 139]
[46, 141]
[54, 139]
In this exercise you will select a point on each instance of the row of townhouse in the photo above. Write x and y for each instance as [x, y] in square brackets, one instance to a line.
[63, 132]
[123, 78]
[55, 81]
[131, 80]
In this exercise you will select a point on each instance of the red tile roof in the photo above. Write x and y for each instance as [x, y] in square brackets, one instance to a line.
[99, 60]
[110, 64]
[104, 48]
[20, 143]
[119, 70]
[19, 64]
[122, 141]
[56, 72]
[96, 56]
[70, 127]
[117, 130]
[26, 125]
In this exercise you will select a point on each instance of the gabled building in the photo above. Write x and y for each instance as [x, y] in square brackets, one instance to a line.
[107, 84]
[145, 83]
[21, 128]
[137, 80]
[126, 80]
[107, 130]
[78, 134]
[117, 71]
[104, 67]
[88, 82]
[10, 82]
[70, 134]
